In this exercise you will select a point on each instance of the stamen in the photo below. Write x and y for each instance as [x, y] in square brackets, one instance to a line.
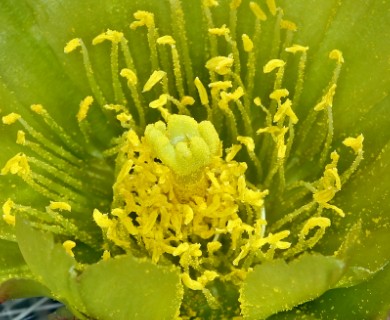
[250, 146]
[206, 4]
[223, 104]
[60, 132]
[301, 71]
[71, 46]
[69, 245]
[357, 146]
[303, 244]
[234, 4]
[168, 40]
[145, 18]
[132, 82]
[252, 65]
[179, 32]
[115, 37]
[327, 102]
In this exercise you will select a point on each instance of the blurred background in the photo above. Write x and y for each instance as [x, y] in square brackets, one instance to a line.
[29, 309]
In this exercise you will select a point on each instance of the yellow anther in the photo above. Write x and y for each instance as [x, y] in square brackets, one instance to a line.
[336, 55]
[187, 101]
[285, 110]
[213, 246]
[327, 99]
[17, 165]
[288, 25]
[190, 283]
[247, 142]
[253, 197]
[272, 65]
[72, 45]
[204, 99]
[335, 158]
[59, 205]
[257, 11]
[280, 145]
[144, 18]
[220, 64]
[247, 43]
[101, 219]
[235, 4]
[184, 145]
[85, 104]
[232, 152]
[160, 102]
[279, 94]
[271, 6]
[166, 40]
[21, 137]
[7, 216]
[355, 143]
[11, 118]
[126, 167]
[110, 35]
[257, 101]
[69, 245]
[275, 239]
[130, 76]
[271, 130]
[329, 185]
[219, 86]
[188, 214]
[38, 108]
[125, 119]
[314, 222]
[114, 107]
[222, 31]
[207, 277]
[106, 255]
[297, 48]
[180, 249]
[237, 94]
[155, 78]
[211, 3]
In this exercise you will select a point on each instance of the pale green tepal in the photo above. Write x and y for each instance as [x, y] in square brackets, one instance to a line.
[205, 159]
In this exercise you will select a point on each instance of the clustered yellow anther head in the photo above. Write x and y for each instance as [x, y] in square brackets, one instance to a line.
[183, 145]
[110, 35]
[220, 65]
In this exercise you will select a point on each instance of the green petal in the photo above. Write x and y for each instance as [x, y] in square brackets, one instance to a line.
[369, 300]
[276, 286]
[11, 261]
[16, 279]
[50, 264]
[153, 292]
[126, 288]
